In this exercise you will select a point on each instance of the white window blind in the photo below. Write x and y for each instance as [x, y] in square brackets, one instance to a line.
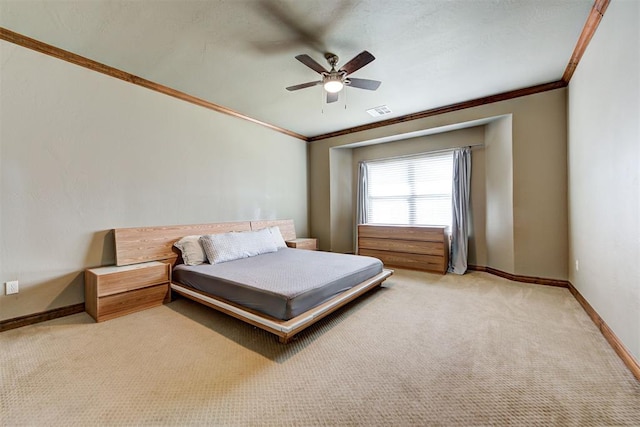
[412, 190]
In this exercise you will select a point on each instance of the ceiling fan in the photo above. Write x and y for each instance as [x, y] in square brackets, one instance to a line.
[335, 80]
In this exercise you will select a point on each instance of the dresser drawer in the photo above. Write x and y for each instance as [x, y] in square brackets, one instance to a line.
[425, 234]
[129, 302]
[413, 261]
[123, 279]
[404, 246]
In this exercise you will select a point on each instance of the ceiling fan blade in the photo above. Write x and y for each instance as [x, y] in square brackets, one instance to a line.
[362, 59]
[364, 83]
[332, 97]
[311, 63]
[301, 33]
[304, 85]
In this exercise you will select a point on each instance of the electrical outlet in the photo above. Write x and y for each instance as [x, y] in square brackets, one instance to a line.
[12, 287]
[577, 265]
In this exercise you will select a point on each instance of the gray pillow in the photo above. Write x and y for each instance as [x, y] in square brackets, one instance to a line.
[191, 249]
[235, 245]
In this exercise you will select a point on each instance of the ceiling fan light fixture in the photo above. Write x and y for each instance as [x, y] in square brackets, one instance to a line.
[333, 84]
[333, 81]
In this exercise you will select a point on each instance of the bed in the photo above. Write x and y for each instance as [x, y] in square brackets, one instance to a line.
[282, 291]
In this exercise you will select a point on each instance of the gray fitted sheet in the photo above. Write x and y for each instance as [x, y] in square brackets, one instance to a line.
[281, 284]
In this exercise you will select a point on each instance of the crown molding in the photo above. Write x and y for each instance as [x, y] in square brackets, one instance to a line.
[504, 96]
[589, 29]
[595, 16]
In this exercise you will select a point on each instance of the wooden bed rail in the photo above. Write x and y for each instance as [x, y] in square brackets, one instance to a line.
[284, 329]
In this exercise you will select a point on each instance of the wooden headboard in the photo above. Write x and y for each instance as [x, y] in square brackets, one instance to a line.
[287, 229]
[142, 244]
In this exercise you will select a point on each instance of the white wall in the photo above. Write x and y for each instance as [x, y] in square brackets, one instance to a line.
[499, 194]
[604, 172]
[82, 153]
[342, 211]
[536, 150]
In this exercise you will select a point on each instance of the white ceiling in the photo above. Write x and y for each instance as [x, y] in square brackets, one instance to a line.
[240, 53]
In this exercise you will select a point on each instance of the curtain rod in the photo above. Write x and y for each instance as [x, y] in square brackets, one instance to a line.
[444, 150]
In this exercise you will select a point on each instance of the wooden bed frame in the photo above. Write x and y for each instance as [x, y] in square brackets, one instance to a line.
[136, 245]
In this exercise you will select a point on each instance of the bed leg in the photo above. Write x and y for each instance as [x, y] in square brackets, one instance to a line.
[284, 340]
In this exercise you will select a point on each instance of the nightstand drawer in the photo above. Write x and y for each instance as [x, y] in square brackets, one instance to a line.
[130, 278]
[132, 301]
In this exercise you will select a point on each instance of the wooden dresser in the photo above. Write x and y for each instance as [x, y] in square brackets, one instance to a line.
[414, 247]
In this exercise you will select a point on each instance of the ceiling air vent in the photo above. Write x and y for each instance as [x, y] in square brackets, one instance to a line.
[382, 110]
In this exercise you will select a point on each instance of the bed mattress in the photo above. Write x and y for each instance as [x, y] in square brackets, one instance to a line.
[280, 284]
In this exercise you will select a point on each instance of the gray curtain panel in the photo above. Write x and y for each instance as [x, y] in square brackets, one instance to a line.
[361, 205]
[361, 202]
[460, 210]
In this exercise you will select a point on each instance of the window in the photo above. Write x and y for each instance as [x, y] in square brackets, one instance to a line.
[410, 190]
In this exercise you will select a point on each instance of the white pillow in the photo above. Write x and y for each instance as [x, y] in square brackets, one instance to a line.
[235, 245]
[192, 251]
[277, 237]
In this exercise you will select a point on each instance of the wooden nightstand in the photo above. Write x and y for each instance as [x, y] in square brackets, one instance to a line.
[115, 291]
[303, 243]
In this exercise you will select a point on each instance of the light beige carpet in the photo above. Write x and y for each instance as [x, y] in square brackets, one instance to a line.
[425, 350]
